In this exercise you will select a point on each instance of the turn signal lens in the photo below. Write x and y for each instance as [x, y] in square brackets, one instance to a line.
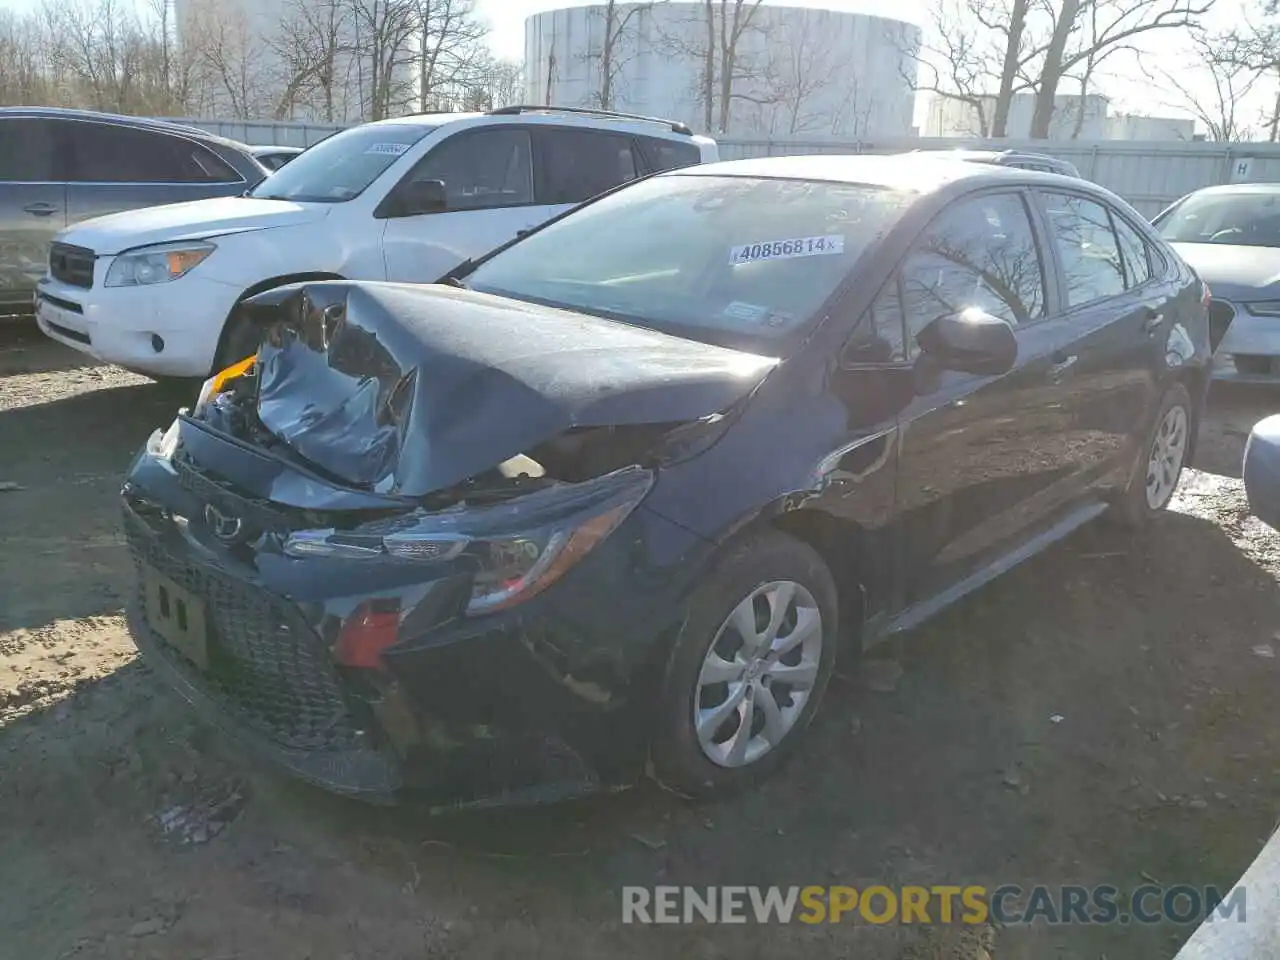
[218, 382]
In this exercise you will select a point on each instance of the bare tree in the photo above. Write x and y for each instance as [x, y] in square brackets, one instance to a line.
[957, 62]
[801, 67]
[1218, 104]
[450, 49]
[983, 52]
[618, 44]
[383, 39]
[497, 83]
[1117, 22]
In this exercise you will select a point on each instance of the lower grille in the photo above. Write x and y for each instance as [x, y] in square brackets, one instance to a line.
[1221, 314]
[71, 265]
[265, 663]
[70, 334]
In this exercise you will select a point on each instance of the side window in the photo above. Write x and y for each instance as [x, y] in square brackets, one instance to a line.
[482, 169]
[1137, 255]
[105, 153]
[880, 336]
[662, 155]
[28, 151]
[576, 165]
[980, 252]
[1081, 231]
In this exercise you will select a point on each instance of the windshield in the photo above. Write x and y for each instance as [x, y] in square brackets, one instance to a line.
[1245, 219]
[736, 261]
[342, 166]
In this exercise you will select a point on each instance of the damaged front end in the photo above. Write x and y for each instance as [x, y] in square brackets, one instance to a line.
[347, 549]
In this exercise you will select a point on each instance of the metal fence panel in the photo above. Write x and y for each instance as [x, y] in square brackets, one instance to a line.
[267, 133]
[1149, 175]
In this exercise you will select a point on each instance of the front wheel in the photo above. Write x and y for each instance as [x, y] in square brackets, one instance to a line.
[749, 668]
[1160, 460]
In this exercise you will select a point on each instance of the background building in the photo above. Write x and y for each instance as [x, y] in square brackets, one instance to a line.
[787, 71]
[1074, 118]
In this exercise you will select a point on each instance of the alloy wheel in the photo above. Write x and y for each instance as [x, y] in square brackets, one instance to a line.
[1168, 450]
[758, 674]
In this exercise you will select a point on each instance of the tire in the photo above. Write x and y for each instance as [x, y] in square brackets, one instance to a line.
[753, 576]
[1143, 499]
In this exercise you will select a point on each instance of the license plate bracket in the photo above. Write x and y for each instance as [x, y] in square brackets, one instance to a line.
[178, 616]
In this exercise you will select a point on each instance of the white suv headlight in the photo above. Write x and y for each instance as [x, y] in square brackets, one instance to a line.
[157, 264]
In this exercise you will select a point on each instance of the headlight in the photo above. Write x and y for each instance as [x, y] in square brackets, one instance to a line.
[157, 264]
[515, 549]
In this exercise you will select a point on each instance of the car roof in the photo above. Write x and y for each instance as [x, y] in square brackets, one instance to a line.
[145, 123]
[1241, 189]
[914, 172]
[550, 116]
[267, 148]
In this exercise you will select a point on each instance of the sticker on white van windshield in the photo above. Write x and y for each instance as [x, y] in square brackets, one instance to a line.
[387, 149]
[788, 249]
[746, 312]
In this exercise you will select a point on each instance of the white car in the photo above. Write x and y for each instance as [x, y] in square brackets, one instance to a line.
[406, 200]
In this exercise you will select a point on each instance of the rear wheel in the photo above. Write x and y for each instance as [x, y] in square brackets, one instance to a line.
[1160, 460]
[749, 668]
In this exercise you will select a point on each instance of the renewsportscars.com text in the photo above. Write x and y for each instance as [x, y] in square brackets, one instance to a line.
[1007, 905]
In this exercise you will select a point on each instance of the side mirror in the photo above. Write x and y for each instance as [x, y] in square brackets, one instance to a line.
[420, 197]
[972, 341]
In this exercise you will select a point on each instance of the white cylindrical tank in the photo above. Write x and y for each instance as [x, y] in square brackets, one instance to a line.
[797, 71]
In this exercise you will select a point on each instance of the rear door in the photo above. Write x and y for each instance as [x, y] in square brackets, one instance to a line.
[1116, 308]
[575, 164]
[33, 204]
[488, 178]
[983, 465]
[115, 168]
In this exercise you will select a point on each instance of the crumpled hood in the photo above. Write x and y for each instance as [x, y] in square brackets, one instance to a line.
[1235, 272]
[194, 220]
[412, 389]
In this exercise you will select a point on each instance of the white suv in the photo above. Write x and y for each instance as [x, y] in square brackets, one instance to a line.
[403, 200]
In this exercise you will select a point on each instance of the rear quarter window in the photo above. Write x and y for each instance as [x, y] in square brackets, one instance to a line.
[668, 154]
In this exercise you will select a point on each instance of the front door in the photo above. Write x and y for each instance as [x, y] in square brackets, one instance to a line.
[33, 205]
[981, 462]
[488, 178]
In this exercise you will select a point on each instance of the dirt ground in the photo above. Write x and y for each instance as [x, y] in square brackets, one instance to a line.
[129, 830]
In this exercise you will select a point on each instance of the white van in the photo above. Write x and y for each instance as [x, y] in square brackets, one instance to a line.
[405, 200]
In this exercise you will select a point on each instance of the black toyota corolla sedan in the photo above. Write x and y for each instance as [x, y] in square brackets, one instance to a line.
[615, 498]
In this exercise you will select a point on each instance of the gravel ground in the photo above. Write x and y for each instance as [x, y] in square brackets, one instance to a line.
[128, 830]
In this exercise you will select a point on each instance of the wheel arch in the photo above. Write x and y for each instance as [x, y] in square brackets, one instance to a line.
[262, 286]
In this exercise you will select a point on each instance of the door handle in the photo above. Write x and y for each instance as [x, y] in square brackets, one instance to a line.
[1152, 321]
[41, 209]
[1062, 366]
[524, 233]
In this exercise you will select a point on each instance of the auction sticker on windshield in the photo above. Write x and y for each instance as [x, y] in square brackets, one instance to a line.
[391, 149]
[788, 249]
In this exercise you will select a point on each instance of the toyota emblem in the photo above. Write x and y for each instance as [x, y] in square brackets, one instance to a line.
[224, 526]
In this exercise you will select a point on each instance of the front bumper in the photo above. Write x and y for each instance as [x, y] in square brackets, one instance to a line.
[548, 702]
[168, 330]
[1249, 351]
